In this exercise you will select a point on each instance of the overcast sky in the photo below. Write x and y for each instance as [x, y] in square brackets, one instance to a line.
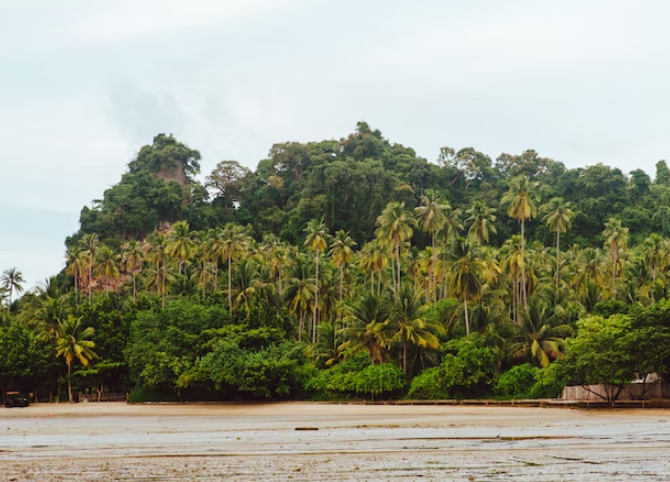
[84, 84]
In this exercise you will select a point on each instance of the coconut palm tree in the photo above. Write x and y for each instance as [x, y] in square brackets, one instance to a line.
[558, 218]
[106, 266]
[616, 237]
[89, 244]
[316, 240]
[541, 337]
[521, 198]
[431, 217]
[364, 327]
[395, 228]
[408, 324]
[132, 258]
[180, 246]
[73, 342]
[233, 239]
[466, 274]
[11, 281]
[341, 253]
[481, 219]
[158, 258]
[76, 267]
[299, 292]
[373, 260]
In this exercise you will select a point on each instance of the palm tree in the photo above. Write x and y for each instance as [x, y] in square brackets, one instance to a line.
[341, 252]
[158, 258]
[559, 219]
[133, 260]
[89, 244]
[74, 342]
[327, 351]
[107, 267]
[521, 196]
[431, 216]
[481, 219]
[180, 246]
[76, 266]
[373, 260]
[364, 327]
[11, 281]
[233, 240]
[655, 254]
[299, 292]
[408, 324]
[466, 273]
[395, 227]
[541, 336]
[616, 237]
[316, 232]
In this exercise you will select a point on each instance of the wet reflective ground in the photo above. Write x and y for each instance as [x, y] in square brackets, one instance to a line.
[260, 442]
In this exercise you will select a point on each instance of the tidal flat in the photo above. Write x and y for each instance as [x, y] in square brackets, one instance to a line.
[330, 442]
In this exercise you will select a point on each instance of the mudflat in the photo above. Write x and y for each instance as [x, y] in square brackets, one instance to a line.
[319, 442]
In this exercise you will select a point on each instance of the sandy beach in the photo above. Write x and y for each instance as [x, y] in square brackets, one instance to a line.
[315, 442]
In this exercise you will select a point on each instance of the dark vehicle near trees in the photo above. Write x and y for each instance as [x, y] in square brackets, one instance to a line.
[16, 399]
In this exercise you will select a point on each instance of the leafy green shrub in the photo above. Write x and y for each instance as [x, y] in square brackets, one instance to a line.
[467, 370]
[550, 381]
[518, 381]
[378, 380]
[427, 386]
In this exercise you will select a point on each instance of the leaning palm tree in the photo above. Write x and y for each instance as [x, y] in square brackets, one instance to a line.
[11, 281]
[558, 217]
[616, 236]
[521, 198]
[431, 216]
[481, 219]
[341, 253]
[316, 240]
[467, 270]
[408, 323]
[73, 342]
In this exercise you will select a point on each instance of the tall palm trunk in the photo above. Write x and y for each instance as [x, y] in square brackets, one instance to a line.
[90, 281]
[164, 283]
[467, 318]
[134, 287]
[614, 262]
[433, 269]
[316, 298]
[558, 253]
[69, 382]
[230, 293]
[76, 288]
[341, 281]
[404, 355]
[523, 268]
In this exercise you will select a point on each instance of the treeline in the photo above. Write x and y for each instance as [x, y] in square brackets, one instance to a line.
[352, 268]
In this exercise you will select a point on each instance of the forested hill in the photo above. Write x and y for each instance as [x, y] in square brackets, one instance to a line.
[347, 183]
[350, 269]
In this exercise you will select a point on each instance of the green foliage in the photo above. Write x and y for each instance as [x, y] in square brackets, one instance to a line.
[518, 381]
[467, 370]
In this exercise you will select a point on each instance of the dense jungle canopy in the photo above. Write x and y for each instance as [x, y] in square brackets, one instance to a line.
[351, 268]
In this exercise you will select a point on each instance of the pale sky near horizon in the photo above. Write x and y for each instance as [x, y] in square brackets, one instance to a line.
[83, 85]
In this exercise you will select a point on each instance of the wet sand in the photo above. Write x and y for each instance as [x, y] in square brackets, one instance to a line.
[105, 442]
